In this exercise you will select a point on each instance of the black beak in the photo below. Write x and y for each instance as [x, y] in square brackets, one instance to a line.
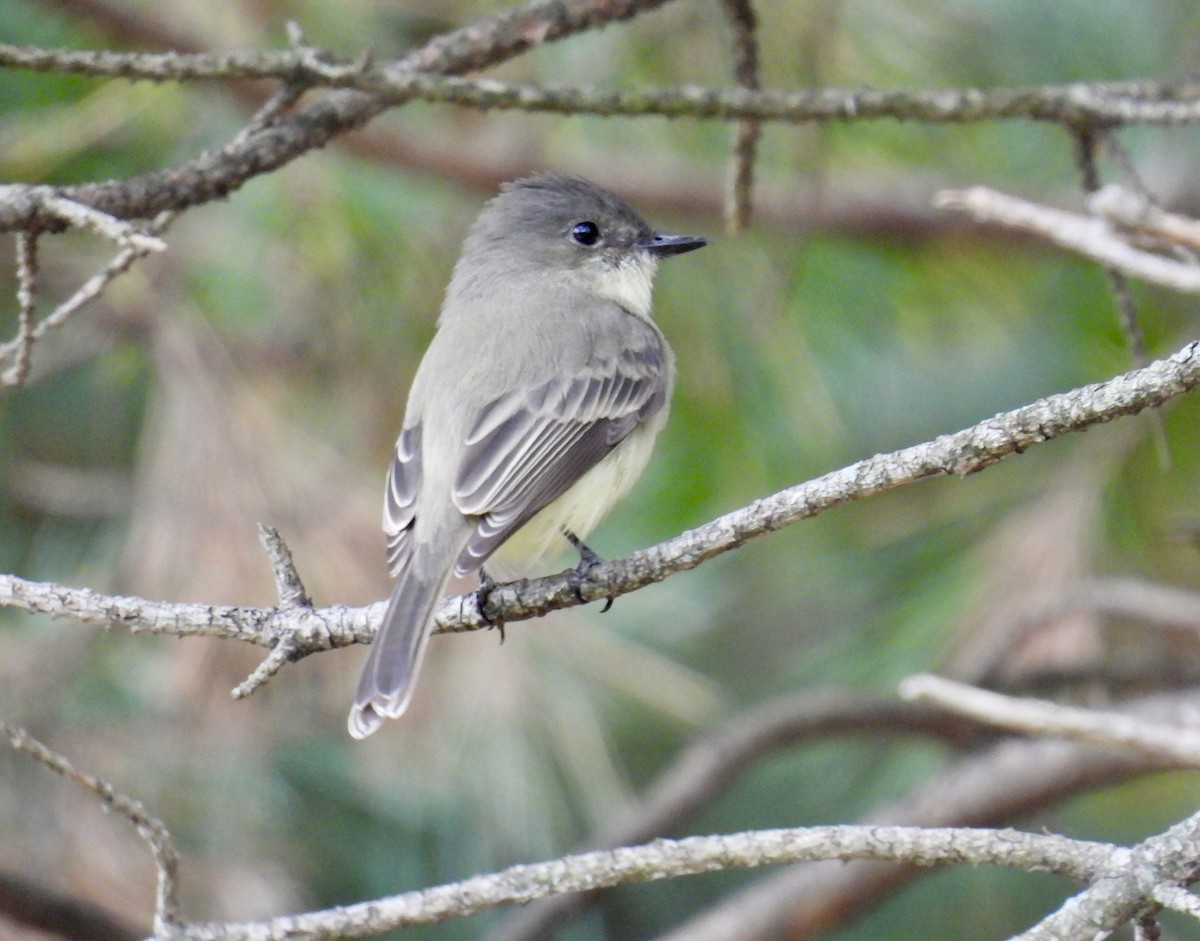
[662, 246]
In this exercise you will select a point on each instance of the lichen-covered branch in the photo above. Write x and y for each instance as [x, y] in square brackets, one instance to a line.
[665, 859]
[308, 630]
[1129, 887]
[27, 289]
[216, 173]
[431, 77]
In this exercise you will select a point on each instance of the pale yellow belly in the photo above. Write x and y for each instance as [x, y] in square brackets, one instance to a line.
[584, 505]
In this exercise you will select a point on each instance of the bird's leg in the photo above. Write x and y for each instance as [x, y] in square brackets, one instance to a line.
[588, 560]
[487, 585]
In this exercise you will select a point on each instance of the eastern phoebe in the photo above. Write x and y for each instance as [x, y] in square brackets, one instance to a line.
[533, 410]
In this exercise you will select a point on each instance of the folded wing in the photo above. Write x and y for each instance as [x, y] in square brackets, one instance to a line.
[528, 447]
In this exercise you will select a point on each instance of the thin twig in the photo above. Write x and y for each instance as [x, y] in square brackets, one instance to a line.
[1039, 717]
[290, 588]
[739, 203]
[294, 602]
[1130, 888]
[1178, 899]
[83, 216]
[1135, 212]
[427, 74]
[150, 828]
[1086, 235]
[27, 281]
[1087, 144]
[93, 286]
[216, 173]
[271, 109]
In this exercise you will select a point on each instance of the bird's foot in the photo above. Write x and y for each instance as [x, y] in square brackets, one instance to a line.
[487, 585]
[588, 560]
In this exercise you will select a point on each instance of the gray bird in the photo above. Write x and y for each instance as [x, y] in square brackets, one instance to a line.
[533, 411]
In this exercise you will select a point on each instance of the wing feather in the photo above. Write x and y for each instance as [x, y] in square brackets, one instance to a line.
[528, 447]
[400, 496]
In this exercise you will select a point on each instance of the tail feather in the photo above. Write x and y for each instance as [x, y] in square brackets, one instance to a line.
[390, 672]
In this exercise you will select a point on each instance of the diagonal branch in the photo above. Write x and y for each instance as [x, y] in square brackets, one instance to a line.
[216, 173]
[962, 453]
[1092, 236]
[1128, 889]
[1039, 717]
[92, 287]
[149, 828]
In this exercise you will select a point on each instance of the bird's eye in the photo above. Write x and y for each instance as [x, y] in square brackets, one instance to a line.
[586, 233]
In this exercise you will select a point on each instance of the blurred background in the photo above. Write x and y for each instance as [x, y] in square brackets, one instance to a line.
[257, 372]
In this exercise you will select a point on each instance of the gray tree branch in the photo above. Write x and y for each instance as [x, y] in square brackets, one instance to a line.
[149, 827]
[672, 858]
[216, 173]
[308, 630]
[1039, 717]
[1007, 781]
[431, 77]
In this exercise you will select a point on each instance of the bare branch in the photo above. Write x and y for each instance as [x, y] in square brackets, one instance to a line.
[1133, 211]
[715, 761]
[424, 74]
[323, 629]
[85, 217]
[27, 277]
[94, 286]
[166, 860]
[746, 136]
[133, 241]
[293, 600]
[1177, 899]
[962, 453]
[287, 580]
[1131, 886]
[671, 858]
[216, 173]
[1039, 717]
[1087, 142]
[1010, 780]
[1088, 235]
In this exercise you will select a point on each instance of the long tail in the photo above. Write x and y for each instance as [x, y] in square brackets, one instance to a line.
[390, 672]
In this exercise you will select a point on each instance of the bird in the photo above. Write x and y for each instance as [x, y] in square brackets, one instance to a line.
[533, 410]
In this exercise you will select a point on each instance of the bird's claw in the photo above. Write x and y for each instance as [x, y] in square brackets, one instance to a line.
[588, 560]
[487, 585]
